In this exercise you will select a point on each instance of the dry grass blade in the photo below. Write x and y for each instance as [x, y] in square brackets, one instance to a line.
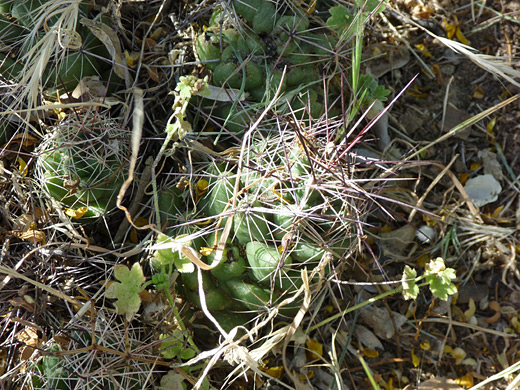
[8, 271]
[44, 49]
[457, 129]
[498, 66]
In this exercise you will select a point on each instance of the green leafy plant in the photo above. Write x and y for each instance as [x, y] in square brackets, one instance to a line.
[252, 60]
[171, 347]
[438, 278]
[177, 126]
[126, 290]
[50, 372]
[365, 89]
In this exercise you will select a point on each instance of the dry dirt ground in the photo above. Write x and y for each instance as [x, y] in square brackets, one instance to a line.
[443, 346]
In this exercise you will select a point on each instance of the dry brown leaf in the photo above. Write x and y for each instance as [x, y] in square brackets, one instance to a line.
[386, 58]
[379, 320]
[20, 302]
[3, 360]
[149, 43]
[154, 74]
[28, 337]
[495, 306]
[110, 39]
[30, 235]
[89, 88]
[439, 383]
[145, 296]
[367, 338]
[396, 241]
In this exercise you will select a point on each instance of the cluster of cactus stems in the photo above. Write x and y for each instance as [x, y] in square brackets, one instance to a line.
[253, 58]
[80, 163]
[27, 26]
[291, 210]
[285, 205]
[93, 361]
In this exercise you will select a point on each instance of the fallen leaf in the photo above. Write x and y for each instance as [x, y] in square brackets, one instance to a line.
[367, 338]
[379, 321]
[76, 213]
[109, 38]
[495, 306]
[88, 88]
[453, 117]
[172, 381]
[221, 94]
[315, 349]
[30, 340]
[396, 241]
[36, 236]
[439, 383]
[154, 74]
[483, 189]
[491, 164]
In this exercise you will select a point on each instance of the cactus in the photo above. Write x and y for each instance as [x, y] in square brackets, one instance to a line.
[80, 163]
[89, 360]
[77, 54]
[280, 226]
[252, 59]
[273, 42]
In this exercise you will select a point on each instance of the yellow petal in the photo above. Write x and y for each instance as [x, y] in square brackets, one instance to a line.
[76, 213]
[205, 251]
[491, 125]
[471, 310]
[425, 345]
[461, 37]
[450, 30]
[22, 167]
[424, 50]
[370, 353]
[497, 211]
[415, 359]
[315, 349]
[475, 165]
[275, 372]
[458, 354]
[465, 381]
[478, 93]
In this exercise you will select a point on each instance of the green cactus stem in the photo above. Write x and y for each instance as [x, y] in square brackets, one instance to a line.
[81, 163]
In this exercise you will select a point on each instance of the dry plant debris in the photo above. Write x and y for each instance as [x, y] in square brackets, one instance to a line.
[301, 221]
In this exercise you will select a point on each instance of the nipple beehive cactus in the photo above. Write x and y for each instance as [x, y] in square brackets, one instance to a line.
[80, 163]
[284, 220]
[253, 58]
